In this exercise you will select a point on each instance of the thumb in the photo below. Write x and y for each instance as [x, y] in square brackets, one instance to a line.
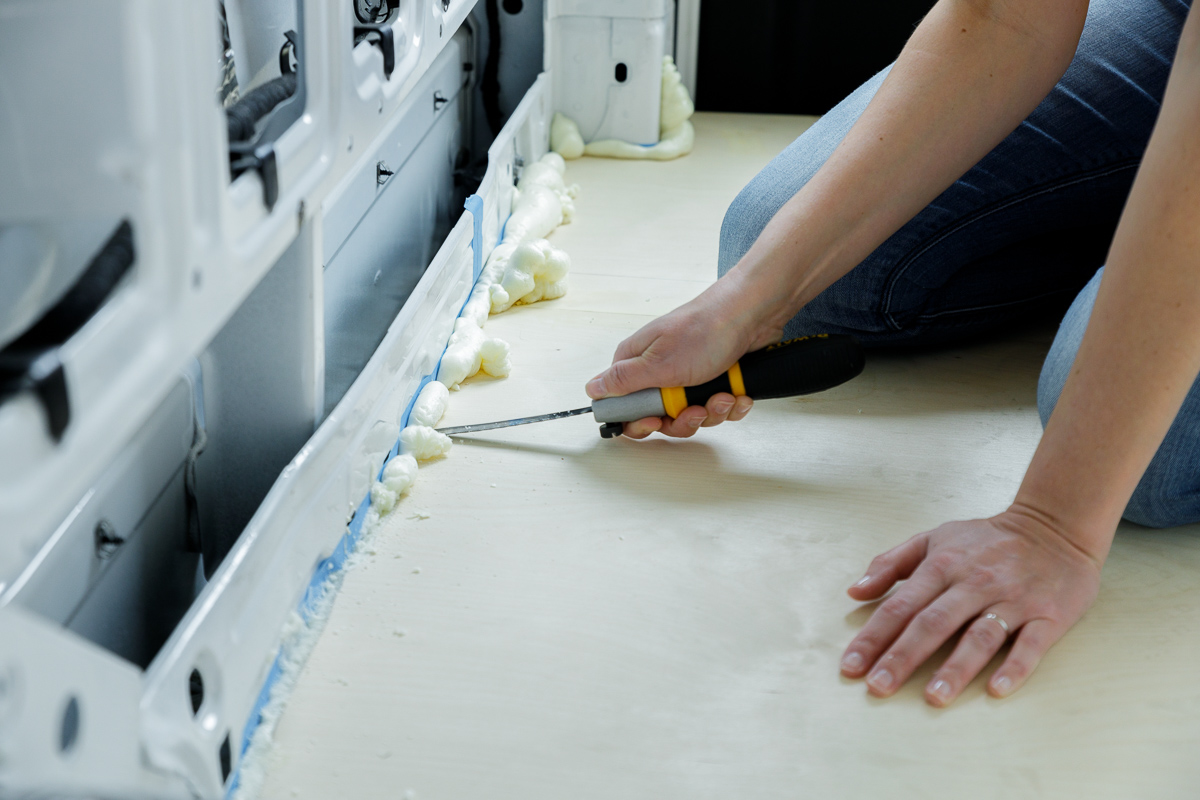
[622, 378]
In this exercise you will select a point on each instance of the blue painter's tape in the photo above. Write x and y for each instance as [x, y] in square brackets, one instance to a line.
[474, 205]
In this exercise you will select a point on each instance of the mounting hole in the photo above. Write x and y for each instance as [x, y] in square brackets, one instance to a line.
[196, 690]
[514, 6]
[622, 72]
[226, 757]
[106, 540]
[68, 733]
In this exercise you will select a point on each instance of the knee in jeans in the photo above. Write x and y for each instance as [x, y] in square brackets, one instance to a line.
[1161, 501]
[741, 228]
[1061, 357]
[1054, 376]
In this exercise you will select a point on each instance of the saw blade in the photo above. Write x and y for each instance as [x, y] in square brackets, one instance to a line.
[510, 423]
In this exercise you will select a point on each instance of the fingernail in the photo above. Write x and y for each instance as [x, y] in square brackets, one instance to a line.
[723, 407]
[1002, 685]
[595, 387]
[880, 680]
[940, 690]
[863, 581]
[852, 662]
[696, 422]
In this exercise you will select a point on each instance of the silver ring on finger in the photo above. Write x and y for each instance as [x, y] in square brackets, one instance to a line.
[999, 620]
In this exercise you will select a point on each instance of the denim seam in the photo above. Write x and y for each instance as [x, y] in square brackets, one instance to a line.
[953, 311]
[907, 262]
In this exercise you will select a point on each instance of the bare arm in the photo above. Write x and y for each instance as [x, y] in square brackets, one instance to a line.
[970, 73]
[967, 77]
[1037, 565]
[1141, 352]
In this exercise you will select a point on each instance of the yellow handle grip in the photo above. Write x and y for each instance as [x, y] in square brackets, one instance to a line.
[675, 398]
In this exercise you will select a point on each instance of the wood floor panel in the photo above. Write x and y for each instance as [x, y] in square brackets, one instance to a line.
[550, 615]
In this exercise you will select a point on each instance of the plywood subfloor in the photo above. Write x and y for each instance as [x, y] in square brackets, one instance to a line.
[587, 619]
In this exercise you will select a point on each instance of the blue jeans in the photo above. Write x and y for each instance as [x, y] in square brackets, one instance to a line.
[1019, 235]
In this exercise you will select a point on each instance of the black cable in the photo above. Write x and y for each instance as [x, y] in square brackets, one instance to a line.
[490, 85]
[245, 113]
[78, 305]
[32, 363]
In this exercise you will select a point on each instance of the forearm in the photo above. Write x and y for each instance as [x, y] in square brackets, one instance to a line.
[967, 77]
[1141, 352]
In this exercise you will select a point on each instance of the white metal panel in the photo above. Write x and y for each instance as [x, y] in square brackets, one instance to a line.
[234, 628]
[36, 688]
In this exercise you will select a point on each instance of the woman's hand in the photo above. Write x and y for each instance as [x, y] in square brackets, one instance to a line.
[693, 344]
[1013, 565]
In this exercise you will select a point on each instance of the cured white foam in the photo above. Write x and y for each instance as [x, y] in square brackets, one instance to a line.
[398, 477]
[536, 271]
[565, 138]
[423, 443]
[471, 350]
[536, 213]
[430, 405]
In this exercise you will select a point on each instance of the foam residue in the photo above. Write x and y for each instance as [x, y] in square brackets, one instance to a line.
[430, 405]
[471, 350]
[299, 637]
[537, 211]
[423, 443]
[677, 135]
[548, 174]
[398, 477]
[565, 138]
[536, 271]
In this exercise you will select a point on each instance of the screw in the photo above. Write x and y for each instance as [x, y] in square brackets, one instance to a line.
[382, 173]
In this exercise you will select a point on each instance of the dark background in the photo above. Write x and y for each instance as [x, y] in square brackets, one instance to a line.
[796, 56]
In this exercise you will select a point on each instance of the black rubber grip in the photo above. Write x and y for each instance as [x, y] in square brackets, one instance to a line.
[698, 395]
[799, 366]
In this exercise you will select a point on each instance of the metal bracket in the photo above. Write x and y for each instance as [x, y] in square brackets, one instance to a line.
[380, 35]
[261, 158]
[288, 60]
[259, 153]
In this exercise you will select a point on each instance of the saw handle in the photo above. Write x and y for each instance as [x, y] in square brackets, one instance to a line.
[799, 366]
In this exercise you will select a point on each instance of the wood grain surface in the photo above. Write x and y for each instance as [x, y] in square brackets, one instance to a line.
[580, 619]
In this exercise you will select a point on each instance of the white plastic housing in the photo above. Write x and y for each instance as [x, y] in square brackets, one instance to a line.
[590, 47]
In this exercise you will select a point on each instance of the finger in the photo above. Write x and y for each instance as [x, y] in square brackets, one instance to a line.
[718, 408]
[1034, 639]
[894, 565]
[979, 644]
[623, 377]
[632, 347]
[686, 424]
[634, 368]
[642, 428]
[740, 409]
[922, 636]
[889, 621]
